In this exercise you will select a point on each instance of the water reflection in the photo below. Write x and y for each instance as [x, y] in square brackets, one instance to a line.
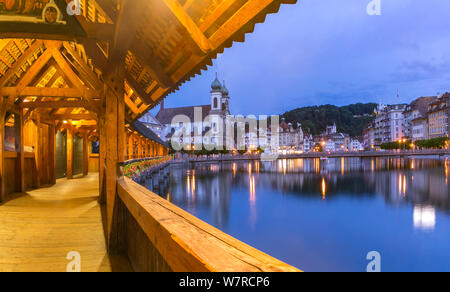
[399, 181]
[424, 217]
[399, 195]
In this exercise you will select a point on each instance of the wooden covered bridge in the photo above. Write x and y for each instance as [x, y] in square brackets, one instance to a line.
[72, 81]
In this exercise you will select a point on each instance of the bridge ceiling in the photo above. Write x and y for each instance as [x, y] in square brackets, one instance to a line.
[159, 44]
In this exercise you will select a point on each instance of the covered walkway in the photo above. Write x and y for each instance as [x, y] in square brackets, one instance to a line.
[39, 228]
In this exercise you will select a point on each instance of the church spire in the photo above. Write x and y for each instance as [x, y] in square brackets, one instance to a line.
[216, 85]
[225, 89]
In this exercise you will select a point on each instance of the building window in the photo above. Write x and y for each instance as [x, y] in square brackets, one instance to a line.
[215, 103]
[95, 149]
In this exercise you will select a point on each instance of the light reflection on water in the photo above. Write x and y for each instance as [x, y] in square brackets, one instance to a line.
[327, 215]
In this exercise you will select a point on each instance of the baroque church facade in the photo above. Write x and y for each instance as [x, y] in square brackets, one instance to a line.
[203, 119]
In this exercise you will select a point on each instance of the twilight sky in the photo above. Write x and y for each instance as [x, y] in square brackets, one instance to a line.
[333, 52]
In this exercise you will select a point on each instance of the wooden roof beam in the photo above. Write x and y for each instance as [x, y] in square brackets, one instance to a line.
[83, 68]
[50, 92]
[22, 59]
[138, 89]
[190, 30]
[75, 117]
[242, 17]
[108, 8]
[152, 65]
[55, 104]
[220, 10]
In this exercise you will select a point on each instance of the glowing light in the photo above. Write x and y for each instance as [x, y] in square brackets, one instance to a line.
[193, 183]
[447, 162]
[342, 165]
[234, 169]
[188, 184]
[324, 189]
[252, 190]
[404, 185]
[424, 217]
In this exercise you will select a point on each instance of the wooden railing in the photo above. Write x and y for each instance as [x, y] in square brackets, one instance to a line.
[158, 236]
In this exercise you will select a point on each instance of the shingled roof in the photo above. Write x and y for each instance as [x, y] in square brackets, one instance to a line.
[166, 115]
[147, 133]
[421, 104]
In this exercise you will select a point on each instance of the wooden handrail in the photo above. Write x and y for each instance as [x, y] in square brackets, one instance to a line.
[188, 244]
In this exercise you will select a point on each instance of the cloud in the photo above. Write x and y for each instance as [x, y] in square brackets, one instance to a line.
[331, 51]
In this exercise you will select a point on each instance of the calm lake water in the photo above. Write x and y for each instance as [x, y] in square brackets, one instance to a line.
[327, 216]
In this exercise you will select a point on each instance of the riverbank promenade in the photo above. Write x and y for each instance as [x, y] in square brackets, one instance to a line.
[361, 154]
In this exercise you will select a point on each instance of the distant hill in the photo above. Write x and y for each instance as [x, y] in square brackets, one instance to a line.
[351, 119]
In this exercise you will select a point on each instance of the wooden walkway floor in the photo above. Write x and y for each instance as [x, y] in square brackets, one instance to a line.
[39, 228]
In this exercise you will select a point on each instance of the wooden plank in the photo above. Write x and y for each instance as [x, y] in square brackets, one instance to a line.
[85, 154]
[52, 153]
[69, 170]
[50, 92]
[2, 149]
[67, 69]
[22, 59]
[218, 12]
[75, 117]
[138, 89]
[151, 63]
[38, 152]
[20, 166]
[241, 18]
[188, 244]
[102, 156]
[82, 68]
[39, 230]
[56, 104]
[197, 40]
[108, 8]
[35, 69]
[111, 157]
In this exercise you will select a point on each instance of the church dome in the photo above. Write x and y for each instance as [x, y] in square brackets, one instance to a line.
[225, 89]
[216, 85]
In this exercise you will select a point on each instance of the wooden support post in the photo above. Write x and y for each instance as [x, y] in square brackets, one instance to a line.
[135, 147]
[126, 146]
[85, 154]
[52, 153]
[38, 152]
[102, 157]
[20, 162]
[2, 149]
[130, 147]
[69, 171]
[114, 141]
[139, 146]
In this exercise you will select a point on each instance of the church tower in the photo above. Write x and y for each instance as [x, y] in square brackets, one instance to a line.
[225, 100]
[216, 97]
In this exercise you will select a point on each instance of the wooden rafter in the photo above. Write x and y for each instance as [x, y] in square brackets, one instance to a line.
[22, 59]
[50, 92]
[198, 42]
[55, 104]
[74, 117]
[82, 68]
